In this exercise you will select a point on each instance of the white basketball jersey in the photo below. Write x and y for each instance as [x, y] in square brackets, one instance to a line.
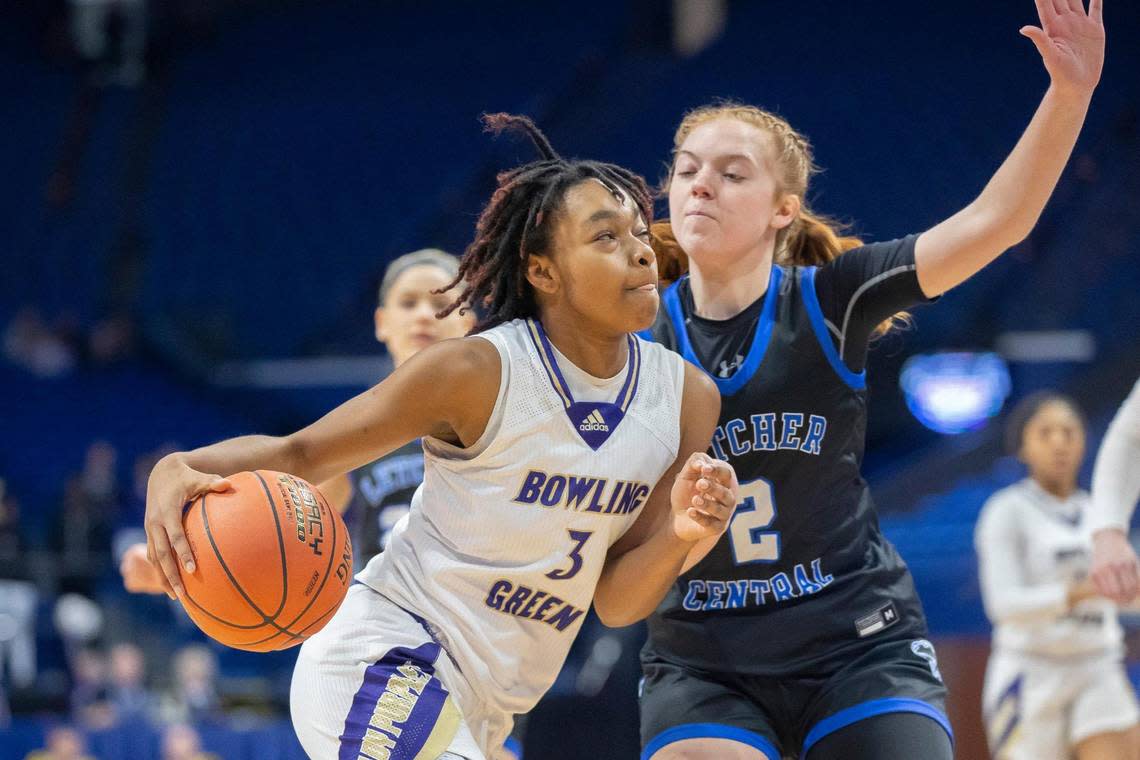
[506, 539]
[1031, 546]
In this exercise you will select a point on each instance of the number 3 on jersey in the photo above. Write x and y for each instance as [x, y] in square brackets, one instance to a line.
[575, 556]
[756, 511]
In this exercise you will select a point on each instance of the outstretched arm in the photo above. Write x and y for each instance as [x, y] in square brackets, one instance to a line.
[1071, 44]
[1115, 488]
[446, 391]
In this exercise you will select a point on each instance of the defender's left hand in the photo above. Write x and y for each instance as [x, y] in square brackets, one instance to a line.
[1071, 43]
[705, 494]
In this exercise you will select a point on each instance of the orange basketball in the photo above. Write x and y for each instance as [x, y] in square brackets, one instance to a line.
[274, 562]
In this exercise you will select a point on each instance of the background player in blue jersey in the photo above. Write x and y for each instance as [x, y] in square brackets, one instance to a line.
[375, 496]
[800, 633]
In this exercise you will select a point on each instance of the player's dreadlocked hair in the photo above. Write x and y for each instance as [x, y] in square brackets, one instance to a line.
[518, 222]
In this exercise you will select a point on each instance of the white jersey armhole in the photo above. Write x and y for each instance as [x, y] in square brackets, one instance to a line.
[445, 450]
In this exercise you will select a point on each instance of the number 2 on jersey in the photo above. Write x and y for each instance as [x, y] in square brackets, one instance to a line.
[756, 511]
[579, 538]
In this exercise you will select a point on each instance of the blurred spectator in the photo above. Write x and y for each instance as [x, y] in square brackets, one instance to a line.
[31, 344]
[194, 695]
[55, 350]
[181, 742]
[99, 478]
[63, 743]
[111, 340]
[128, 693]
[18, 597]
[91, 504]
[110, 35]
[90, 703]
[11, 542]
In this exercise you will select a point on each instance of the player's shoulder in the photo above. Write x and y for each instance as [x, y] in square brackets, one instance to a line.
[1007, 503]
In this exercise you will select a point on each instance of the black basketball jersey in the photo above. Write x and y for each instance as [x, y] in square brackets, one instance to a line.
[381, 495]
[803, 578]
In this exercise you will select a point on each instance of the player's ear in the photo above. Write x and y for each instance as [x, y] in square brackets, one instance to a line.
[541, 273]
[378, 324]
[787, 210]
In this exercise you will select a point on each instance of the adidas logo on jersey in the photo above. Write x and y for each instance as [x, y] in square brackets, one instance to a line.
[595, 421]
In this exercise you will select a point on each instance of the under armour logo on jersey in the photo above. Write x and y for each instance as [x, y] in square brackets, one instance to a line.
[925, 650]
[727, 368]
[595, 421]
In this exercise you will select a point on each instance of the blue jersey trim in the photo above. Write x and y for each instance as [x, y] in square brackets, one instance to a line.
[710, 731]
[514, 746]
[859, 712]
[856, 381]
[727, 385]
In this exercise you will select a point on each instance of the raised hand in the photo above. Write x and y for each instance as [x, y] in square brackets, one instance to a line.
[705, 494]
[1071, 43]
[1115, 569]
[171, 486]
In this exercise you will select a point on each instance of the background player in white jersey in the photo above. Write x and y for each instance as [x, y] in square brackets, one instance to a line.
[373, 497]
[1055, 684]
[545, 436]
[1115, 489]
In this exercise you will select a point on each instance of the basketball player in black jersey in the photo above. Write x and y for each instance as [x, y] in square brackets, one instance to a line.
[800, 634]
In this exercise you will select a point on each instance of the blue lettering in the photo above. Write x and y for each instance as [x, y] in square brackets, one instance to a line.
[512, 605]
[530, 604]
[817, 426]
[820, 578]
[716, 595]
[782, 587]
[531, 487]
[626, 501]
[806, 586]
[545, 607]
[733, 428]
[718, 436]
[577, 490]
[564, 617]
[552, 493]
[791, 422]
[737, 591]
[764, 432]
[758, 589]
[595, 501]
[692, 603]
[639, 495]
[497, 593]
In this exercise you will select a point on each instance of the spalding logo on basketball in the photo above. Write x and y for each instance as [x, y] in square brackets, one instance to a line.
[274, 562]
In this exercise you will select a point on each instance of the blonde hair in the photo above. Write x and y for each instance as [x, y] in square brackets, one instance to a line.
[810, 240]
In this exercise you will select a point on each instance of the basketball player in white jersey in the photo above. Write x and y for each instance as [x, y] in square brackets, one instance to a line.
[374, 497]
[1055, 685]
[564, 465]
[1115, 489]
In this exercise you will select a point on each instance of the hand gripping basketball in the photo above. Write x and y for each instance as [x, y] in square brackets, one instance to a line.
[173, 485]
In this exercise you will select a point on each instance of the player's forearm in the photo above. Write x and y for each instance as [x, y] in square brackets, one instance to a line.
[1008, 207]
[1116, 475]
[1018, 191]
[248, 452]
[1027, 604]
[634, 583]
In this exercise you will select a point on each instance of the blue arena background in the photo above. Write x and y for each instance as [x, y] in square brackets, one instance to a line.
[237, 199]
